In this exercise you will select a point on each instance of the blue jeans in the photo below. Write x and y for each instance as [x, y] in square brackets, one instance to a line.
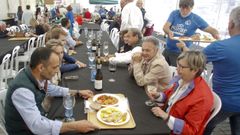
[234, 118]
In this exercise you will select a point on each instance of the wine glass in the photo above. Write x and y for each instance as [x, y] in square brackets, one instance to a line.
[105, 50]
[86, 32]
[99, 35]
[69, 103]
[112, 68]
[151, 89]
[91, 58]
[89, 45]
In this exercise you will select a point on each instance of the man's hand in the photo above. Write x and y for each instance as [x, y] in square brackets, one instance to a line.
[78, 42]
[137, 57]
[216, 36]
[86, 93]
[82, 126]
[170, 34]
[182, 46]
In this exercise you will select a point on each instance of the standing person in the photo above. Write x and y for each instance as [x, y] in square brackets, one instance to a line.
[70, 17]
[27, 16]
[188, 104]
[150, 66]
[87, 15]
[148, 25]
[19, 14]
[131, 16]
[226, 81]
[24, 113]
[39, 16]
[183, 22]
[140, 5]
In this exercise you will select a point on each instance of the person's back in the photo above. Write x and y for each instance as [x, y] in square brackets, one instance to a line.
[131, 17]
[226, 81]
[27, 16]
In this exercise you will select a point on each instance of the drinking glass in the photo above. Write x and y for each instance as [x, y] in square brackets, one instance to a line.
[105, 50]
[112, 68]
[91, 58]
[86, 32]
[89, 45]
[150, 89]
[91, 35]
[69, 103]
[99, 35]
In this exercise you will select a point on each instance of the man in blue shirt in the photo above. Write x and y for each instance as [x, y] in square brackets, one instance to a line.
[224, 56]
[180, 23]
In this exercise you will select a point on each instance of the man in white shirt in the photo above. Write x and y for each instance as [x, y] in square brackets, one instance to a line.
[134, 42]
[27, 16]
[24, 113]
[71, 43]
[131, 16]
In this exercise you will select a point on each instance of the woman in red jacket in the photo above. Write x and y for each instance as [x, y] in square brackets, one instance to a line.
[189, 101]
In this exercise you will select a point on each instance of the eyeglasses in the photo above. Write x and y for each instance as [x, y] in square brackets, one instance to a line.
[181, 66]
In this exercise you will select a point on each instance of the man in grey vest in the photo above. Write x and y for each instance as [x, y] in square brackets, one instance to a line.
[24, 114]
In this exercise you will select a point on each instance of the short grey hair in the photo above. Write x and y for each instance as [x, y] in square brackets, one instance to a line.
[196, 60]
[151, 39]
[186, 3]
[235, 16]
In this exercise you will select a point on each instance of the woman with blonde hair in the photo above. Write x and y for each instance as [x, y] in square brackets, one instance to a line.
[188, 103]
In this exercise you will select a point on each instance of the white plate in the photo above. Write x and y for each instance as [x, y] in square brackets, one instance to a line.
[107, 94]
[100, 116]
[183, 38]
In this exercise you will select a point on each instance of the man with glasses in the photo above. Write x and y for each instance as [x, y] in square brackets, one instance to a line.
[181, 23]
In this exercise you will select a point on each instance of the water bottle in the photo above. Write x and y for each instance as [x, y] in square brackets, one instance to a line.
[93, 73]
[68, 105]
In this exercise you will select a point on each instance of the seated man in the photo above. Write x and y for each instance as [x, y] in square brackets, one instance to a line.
[134, 41]
[188, 103]
[71, 43]
[150, 65]
[3, 32]
[24, 113]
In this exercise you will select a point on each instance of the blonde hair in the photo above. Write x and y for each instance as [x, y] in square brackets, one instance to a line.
[53, 43]
[195, 60]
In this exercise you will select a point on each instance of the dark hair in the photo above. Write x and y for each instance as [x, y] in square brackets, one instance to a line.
[38, 10]
[20, 9]
[186, 3]
[28, 7]
[40, 56]
[136, 32]
[64, 22]
[69, 8]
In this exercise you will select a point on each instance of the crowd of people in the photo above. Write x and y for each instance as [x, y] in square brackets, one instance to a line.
[184, 101]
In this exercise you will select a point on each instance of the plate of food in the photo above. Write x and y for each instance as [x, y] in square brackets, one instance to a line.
[113, 116]
[106, 99]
